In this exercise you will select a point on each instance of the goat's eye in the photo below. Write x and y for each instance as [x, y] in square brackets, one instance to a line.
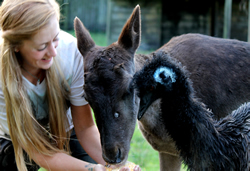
[116, 115]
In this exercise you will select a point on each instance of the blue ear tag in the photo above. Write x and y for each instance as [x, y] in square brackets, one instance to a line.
[167, 72]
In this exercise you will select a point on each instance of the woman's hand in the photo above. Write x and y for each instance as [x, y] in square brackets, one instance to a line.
[136, 168]
[99, 167]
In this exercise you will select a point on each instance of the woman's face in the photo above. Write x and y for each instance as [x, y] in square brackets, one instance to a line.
[38, 52]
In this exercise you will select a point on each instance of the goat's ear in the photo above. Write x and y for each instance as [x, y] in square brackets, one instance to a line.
[84, 40]
[130, 36]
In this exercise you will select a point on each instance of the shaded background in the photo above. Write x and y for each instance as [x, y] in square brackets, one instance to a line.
[161, 19]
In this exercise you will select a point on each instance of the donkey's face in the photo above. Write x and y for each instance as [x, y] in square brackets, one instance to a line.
[108, 76]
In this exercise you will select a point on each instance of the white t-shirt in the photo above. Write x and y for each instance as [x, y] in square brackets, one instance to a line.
[71, 65]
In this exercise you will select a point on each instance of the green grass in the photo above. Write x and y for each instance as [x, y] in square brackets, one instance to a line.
[141, 152]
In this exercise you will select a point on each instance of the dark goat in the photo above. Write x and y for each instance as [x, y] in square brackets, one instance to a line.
[203, 142]
[109, 71]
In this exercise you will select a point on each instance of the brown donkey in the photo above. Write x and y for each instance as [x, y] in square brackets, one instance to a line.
[220, 72]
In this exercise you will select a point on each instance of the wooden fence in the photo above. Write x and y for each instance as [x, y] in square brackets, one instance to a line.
[92, 13]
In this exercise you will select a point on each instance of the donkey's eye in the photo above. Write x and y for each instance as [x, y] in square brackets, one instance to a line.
[116, 115]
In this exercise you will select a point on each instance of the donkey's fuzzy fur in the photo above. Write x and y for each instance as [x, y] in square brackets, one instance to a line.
[216, 66]
[109, 71]
[203, 142]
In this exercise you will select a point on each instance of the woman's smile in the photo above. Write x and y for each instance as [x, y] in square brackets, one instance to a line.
[47, 60]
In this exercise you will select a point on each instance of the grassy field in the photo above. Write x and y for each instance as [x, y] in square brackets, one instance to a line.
[141, 152]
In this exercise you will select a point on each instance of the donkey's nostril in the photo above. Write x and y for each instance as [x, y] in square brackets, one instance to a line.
[118, 156]
[115, 158]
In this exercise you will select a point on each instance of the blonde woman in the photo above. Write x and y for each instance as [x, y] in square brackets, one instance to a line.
[41, 89]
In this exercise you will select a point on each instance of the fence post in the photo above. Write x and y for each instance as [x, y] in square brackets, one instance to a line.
[227, 19]
[248, 33]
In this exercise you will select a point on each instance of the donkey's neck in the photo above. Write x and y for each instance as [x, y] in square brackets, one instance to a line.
[141, 59]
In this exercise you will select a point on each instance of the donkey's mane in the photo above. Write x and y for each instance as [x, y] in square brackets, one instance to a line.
[107, 67]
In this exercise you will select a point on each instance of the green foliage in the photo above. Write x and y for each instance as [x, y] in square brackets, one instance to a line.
[99, 38]
[142, 153]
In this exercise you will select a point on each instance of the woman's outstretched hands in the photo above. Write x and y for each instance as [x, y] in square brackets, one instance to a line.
[100, 167]
[136, 168]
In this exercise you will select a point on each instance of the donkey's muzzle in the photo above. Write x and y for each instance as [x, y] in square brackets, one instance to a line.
[113, 156]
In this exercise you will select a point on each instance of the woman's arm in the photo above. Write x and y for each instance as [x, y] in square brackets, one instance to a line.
[85, 127]
[62, 161]
[87, 132]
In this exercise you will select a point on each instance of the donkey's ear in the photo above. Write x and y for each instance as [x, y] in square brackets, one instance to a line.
[130, 36]
[84, 40]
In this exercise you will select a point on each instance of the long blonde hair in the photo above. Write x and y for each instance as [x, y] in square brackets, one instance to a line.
[20, 20]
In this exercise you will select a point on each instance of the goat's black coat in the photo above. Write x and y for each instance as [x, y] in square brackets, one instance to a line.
[203, 142]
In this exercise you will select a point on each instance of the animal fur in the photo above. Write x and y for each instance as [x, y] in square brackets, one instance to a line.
[204, 143]
[109, 71]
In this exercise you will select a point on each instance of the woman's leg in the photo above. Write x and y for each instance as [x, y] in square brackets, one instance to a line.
[7, 156]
